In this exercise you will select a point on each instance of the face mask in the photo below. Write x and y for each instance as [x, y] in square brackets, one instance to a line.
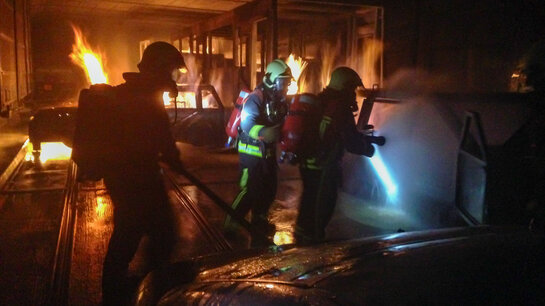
[177, 74]
[282, 86]
[276, 110]
[353, 103]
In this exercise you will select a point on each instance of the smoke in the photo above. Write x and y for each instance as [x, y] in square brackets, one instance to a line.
[419, 158]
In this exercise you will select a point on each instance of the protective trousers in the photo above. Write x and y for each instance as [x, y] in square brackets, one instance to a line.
[317, 202]
[141, 207]
[258, 181]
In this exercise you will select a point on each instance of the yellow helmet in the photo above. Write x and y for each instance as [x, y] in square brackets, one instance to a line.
[344, 78]
[276, 73]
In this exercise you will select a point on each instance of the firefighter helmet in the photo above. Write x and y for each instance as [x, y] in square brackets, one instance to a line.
[161, 57]
[344, 78]
[277, 76]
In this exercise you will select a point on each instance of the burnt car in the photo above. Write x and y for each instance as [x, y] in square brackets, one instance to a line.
[466, 265]
[198, 117]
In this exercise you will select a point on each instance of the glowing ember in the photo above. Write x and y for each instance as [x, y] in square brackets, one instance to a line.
[297, 66]
[54, 151]
[86, 58]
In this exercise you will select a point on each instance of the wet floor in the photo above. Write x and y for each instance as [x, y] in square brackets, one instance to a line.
[31, 216]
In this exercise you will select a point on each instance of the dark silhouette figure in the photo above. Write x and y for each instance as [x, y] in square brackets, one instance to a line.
[320, 170]
[134, 180]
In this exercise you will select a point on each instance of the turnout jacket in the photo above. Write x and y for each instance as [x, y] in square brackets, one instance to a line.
[254, 124]
[146, 135]
[337, 132]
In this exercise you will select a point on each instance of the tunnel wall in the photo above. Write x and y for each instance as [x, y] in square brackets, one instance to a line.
[15, 66]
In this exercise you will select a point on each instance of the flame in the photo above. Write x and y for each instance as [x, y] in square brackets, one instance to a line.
[101, 207]
[83, 56]
[54, 151]
[29, 150]
[283, 237]
[166, 99]
[330, 53]
[183, 100]
[297, 65]
[367, 68]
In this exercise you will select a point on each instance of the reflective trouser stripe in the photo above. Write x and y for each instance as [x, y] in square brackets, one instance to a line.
[243, 190]
[249, 149]
[254, 131]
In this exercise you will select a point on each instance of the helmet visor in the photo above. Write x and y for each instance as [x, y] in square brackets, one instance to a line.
[282, 84]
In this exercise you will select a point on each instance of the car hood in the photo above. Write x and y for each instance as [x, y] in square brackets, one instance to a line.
[425, 265]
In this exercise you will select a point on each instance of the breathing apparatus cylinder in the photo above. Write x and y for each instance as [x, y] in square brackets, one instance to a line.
[297, 131]
[234, 120]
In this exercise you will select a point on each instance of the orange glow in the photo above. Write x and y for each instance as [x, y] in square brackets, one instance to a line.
[92, 62]
[54, 151]
[283, 237]
[101, 207]
[29, 149]
[166, 99]
[367, 67]
[297, 65]
[183, 100]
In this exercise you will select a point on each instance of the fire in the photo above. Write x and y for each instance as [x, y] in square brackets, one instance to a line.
[297, 65]
[183, 100]
[283, 237]
[101, 207]
[92, 62]
[54, 151]
[166, 99]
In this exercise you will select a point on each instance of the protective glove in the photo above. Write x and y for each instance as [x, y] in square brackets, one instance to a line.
[270, 134]
[378, 140]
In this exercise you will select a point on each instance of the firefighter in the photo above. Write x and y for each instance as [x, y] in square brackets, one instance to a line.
[321, 169]
[134, 181]
[261, 117]
[528, 144]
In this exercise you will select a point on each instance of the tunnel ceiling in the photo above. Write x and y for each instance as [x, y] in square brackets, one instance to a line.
[180, 12]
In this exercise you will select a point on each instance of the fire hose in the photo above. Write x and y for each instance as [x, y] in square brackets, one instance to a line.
[220, 203]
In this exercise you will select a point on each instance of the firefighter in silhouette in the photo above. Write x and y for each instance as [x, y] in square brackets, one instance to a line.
[261, 118]
[321, 168]
[134, 181]
[526, 147]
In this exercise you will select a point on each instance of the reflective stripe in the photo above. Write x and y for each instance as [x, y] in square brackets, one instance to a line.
[254, 132]
[249, 149]
[244, 178]
[323, 125]
[243, 190]
[310, 163]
